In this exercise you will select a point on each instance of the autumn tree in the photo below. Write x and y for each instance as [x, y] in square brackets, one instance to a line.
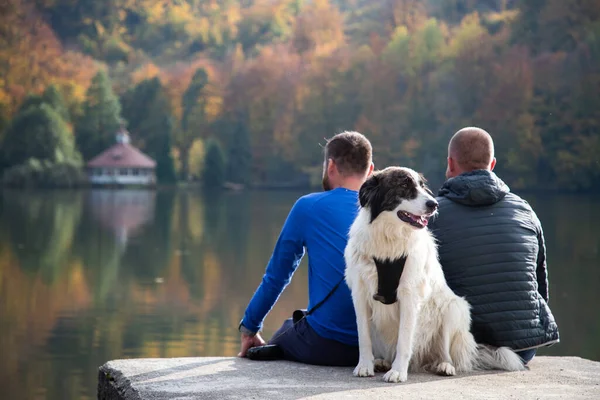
[554, 25]
[318, 28]
[32, 57]
[101, 117]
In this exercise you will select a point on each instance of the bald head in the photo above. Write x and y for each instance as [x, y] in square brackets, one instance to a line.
[470, 149]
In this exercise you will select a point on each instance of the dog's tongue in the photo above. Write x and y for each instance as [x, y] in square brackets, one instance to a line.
[422, 220]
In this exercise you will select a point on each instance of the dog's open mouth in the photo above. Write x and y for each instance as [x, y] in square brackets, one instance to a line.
[418, 221]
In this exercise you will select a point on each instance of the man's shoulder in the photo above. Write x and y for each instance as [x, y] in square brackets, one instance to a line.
[329, 195]
[449, 209]
[322, 204]
[510, 199]
[310, 200]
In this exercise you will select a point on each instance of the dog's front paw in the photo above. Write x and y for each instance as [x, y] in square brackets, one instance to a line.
[445, 369]
[395, 376]
[382, 365]
[364, 368]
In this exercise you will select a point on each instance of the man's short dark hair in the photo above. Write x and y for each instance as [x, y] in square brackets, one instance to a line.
[351, 151]
[472, 148]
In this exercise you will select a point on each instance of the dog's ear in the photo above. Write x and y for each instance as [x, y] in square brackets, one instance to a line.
[425, 186]
[368, 190]
[369, 195]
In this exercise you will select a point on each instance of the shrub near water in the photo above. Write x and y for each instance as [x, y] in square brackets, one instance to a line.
[45, 174]
[39, 150]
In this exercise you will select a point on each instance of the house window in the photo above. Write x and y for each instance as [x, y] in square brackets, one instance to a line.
[136, 171]
[124, 172]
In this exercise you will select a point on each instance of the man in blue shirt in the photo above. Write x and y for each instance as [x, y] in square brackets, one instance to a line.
[318, 223]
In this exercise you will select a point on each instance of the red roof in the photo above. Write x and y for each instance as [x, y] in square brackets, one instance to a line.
[122, 155]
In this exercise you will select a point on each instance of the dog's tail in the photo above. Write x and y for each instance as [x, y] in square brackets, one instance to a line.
[502, 358]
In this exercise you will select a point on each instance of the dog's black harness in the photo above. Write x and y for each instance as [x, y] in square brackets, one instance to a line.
[388, 279]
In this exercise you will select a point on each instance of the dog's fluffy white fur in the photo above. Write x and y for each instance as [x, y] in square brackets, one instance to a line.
[427, 329]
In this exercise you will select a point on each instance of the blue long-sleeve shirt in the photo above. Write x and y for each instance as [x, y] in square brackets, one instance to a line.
[319, 223]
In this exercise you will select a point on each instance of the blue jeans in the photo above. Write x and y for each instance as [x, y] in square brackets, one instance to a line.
[301, 343]
[526, 355]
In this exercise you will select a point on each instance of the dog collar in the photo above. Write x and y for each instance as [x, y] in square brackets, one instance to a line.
[388, 279]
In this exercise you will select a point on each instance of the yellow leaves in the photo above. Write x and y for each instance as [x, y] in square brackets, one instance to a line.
[410, 52]
[180, 14]
[155, 12]
[196, 158]
[146, 71]
[318, 29]
[99, 28]
[5, 98]
[470, 31]
[408, 13]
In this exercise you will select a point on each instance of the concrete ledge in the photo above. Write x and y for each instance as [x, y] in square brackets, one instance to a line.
[235, 378]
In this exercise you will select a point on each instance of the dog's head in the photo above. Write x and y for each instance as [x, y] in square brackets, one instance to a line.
[401, 192]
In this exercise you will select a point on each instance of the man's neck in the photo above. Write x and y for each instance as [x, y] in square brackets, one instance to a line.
[351, 183]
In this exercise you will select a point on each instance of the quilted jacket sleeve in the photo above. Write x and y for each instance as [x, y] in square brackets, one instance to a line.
[542, 270]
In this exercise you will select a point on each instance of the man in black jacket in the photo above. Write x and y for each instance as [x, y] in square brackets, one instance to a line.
[491, 247]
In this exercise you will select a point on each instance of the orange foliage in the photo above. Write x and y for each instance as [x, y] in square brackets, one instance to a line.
[177, 77]
[32, 57]
[319, 28]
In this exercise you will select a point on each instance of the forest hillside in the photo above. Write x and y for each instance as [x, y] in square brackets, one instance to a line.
[250, 88]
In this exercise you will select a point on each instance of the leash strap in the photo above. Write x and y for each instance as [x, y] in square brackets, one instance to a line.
[319, 304]
[295, 316]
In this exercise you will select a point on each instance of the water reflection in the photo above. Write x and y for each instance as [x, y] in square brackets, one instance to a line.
[122, 211]
[86, 277]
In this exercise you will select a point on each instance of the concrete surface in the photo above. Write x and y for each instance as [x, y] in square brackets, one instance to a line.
[235, 378]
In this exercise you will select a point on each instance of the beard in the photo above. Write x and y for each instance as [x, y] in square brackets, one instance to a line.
[325, 183]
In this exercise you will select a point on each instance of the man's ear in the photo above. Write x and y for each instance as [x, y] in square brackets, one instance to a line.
[371, 168]
[331, 167]
[493, 164]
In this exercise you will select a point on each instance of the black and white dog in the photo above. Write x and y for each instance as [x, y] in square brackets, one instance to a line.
[405, 311]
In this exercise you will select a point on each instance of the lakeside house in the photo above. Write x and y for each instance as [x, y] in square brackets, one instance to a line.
[122, 164]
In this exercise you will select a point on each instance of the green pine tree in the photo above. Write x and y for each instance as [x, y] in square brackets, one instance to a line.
[150, 120]
[160, 149]
[193, 120]
[29, 101]
[239, 152]
[213, 174]
[95, 129]
[54, 98]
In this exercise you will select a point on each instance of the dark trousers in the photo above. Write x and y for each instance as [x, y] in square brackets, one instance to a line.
[301, 343]
[527, 355]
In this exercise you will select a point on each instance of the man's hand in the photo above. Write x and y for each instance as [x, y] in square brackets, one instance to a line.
[250, 341]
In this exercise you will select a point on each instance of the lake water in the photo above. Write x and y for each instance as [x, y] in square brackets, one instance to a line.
[86, 277]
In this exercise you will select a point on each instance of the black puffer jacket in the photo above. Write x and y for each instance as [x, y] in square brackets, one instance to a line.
[492, 250]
